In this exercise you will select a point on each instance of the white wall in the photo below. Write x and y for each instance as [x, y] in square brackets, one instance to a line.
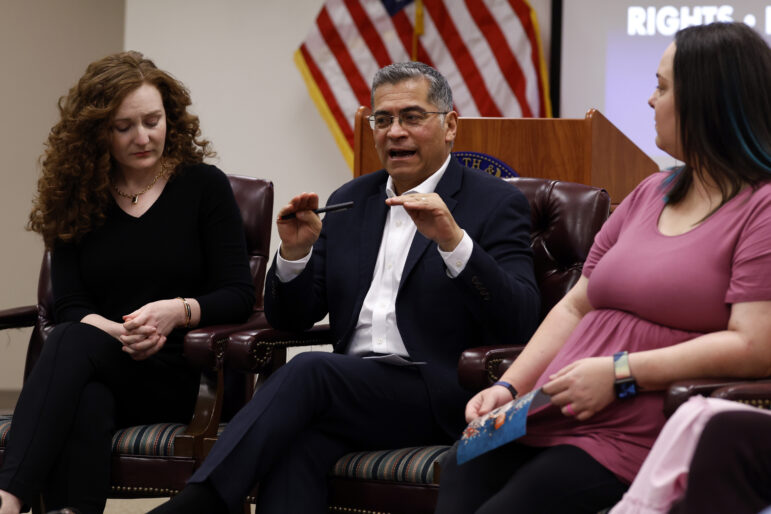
[45, 46]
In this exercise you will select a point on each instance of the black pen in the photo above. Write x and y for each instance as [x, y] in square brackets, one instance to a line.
[321, 210]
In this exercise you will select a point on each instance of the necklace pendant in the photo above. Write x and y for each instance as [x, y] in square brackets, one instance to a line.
[134, 199]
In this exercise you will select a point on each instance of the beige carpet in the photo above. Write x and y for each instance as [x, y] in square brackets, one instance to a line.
[135, 506]
[139, 506]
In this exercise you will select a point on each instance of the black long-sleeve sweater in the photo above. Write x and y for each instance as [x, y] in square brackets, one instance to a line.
[190, 243]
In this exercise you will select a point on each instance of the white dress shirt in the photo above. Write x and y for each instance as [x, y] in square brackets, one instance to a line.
[376, 329]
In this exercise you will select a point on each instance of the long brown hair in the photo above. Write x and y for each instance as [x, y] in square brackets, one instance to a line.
[74, 187]
[722, 77]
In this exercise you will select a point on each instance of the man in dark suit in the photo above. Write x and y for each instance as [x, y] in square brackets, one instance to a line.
[432, 259]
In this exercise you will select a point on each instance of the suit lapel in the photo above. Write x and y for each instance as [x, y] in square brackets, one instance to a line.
[447, 189]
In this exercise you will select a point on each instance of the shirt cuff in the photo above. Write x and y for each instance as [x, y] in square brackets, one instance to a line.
[288, 270]
[457, 259]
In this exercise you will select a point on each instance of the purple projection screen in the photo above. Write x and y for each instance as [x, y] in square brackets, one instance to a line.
[611, 49]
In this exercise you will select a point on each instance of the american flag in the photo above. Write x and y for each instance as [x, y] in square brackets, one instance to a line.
[488, 50]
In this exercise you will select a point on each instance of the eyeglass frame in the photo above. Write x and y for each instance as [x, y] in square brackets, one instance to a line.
[424, 114]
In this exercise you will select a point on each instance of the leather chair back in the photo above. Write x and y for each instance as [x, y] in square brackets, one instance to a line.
[254, 197]
[565, 218]
[45, 314]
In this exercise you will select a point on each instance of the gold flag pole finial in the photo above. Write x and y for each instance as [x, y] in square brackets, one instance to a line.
[418, 31]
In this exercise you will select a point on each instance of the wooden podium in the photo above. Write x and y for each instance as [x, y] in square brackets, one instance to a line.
[590, 151]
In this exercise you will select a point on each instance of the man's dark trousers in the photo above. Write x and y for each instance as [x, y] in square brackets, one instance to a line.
[332, 404]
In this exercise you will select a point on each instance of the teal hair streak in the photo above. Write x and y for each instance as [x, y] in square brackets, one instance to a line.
[674, 172]
[749, 143]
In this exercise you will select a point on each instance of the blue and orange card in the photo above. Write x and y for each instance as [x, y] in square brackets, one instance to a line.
[499, 426]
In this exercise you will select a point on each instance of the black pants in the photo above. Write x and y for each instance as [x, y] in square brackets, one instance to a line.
[521, 479]
[731, 466]
[82, 388]
[312, 411]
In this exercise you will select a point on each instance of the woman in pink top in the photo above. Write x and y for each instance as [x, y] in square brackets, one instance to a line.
[676, 286]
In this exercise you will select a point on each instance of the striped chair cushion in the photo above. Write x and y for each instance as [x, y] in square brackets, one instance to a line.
[149, 440]
[5, 427]
[415, 465]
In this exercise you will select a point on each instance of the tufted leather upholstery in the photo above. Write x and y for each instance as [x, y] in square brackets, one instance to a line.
[565, 217]
[141, 467]
[255, 201]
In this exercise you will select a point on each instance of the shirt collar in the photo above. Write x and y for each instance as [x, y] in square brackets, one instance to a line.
[425, 187]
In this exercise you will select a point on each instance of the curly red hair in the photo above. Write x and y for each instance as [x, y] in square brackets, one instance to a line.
[74, 188]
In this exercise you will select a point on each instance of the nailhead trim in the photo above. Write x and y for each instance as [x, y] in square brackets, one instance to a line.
[335, 509]
[160, 491]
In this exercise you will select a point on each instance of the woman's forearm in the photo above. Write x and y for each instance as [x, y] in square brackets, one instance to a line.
[724, 354]
[550, 336]
[114, 329]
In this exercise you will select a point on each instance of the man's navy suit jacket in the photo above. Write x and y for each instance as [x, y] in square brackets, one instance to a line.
[494, 300]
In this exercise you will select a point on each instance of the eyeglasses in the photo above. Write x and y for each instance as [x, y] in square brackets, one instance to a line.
[406, 119]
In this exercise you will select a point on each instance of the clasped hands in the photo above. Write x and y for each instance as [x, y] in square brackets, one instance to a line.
[428, 211]
[580, 389]
[145, 330]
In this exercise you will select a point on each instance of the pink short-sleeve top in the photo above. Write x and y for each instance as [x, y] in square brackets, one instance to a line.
[649, 291]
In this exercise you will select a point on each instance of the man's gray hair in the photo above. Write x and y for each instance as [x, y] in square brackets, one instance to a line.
[439, 92]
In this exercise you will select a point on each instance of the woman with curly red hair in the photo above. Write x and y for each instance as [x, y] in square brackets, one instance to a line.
[147, 242]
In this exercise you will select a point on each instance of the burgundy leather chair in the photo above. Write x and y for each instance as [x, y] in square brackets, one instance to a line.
[565, 218]
[161, 469]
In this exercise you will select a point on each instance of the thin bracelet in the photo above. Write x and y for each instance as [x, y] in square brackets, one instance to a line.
[508, 386]
[188, 312]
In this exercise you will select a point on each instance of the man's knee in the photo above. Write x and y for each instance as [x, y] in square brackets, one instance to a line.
[315, 366]
[312, 379]
[310, 360]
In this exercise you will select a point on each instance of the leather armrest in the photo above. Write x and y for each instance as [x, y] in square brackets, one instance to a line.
[254, 350]
[755, 393]
[18, 317]
[480, 367]
[205, 347]
[680, 391]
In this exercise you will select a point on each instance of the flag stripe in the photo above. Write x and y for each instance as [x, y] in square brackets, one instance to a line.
[404, 28]
[368, 32]
[509, 67]
[463, 58]
[386, 30]
[321, 82]
[337, 81]
[525, 15]
[440, 55]
[324, 108]
[480, 48]
[340, 51]
[359, 52]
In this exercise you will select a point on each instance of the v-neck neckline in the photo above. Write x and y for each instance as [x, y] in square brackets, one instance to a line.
[148, 210]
